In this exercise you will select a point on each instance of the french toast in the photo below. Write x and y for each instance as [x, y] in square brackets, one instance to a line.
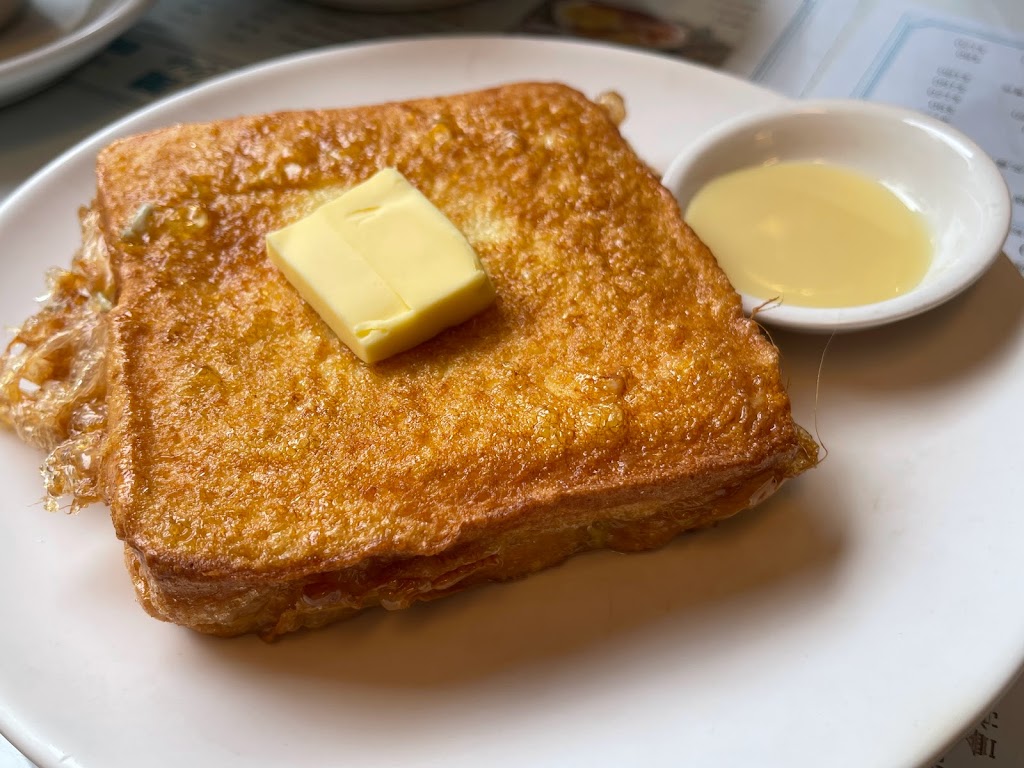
[264, 479]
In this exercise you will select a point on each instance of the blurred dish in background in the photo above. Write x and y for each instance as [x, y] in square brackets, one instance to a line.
[49, 38]
[7, 10]
[625, 24]
[388, 6]
[612, 23]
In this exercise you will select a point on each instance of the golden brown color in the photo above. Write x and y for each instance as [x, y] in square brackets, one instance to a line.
[264, 479]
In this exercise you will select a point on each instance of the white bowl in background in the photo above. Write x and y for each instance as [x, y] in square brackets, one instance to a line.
[48, 39]
[934, 168]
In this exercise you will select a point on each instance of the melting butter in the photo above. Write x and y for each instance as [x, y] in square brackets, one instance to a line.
[383, 267]
[811, 234]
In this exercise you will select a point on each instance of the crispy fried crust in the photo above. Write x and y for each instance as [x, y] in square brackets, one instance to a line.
[264, 479]
[53, 383]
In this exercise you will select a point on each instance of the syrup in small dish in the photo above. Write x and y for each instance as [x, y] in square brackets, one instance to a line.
[811, 234]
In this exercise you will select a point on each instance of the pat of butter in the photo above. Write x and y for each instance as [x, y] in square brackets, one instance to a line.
[383, 267]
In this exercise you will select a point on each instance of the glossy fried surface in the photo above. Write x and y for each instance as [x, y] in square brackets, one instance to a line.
[614, 379]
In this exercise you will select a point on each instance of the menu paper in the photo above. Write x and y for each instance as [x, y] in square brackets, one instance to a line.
[962, 73]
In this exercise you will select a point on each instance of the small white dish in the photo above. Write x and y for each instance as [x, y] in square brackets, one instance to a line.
[51, 37]
[934, 168]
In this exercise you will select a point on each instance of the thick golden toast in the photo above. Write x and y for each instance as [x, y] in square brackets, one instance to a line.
[265, 479]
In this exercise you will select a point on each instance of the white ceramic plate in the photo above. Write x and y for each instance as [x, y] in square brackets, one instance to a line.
[51, 37]
[863, 617]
